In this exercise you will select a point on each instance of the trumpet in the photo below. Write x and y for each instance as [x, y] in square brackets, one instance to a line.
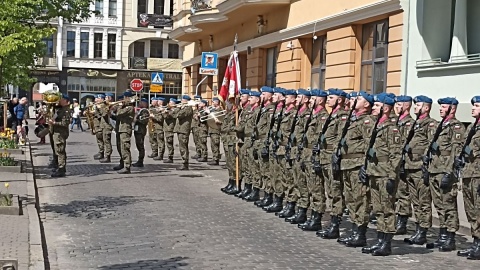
[123, 101]
[216, 115]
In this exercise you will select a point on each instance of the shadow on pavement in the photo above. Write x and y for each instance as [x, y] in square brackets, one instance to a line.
[172, 263]
[98, 207]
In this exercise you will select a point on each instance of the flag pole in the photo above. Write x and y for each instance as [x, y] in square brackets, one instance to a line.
[237, 104]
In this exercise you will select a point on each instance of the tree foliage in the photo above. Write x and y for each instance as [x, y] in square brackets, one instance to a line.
[23, 25]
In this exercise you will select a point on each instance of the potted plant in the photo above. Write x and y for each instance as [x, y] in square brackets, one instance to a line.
[6, 199]
[10, 146]
[9, 203]
[9, 164]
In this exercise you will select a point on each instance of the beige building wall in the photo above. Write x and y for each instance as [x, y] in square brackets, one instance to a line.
[394, 69]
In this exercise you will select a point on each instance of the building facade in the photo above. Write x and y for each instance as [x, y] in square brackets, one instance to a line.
[443, 58]
[352, 45]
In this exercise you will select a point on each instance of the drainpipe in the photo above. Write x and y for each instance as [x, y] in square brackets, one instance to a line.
[406, 36]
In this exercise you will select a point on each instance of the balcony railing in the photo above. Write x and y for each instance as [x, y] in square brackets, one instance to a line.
[46, 61]
[199, 5]
[152, 63]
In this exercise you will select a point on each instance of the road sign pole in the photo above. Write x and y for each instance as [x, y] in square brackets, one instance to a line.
[198, 85]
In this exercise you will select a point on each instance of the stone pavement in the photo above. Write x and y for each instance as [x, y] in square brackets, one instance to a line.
[160, 218]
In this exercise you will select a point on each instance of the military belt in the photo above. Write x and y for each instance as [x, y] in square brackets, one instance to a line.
[383, 159]
[445, 153]
[352, 156]
[232, 133]
[418, 152]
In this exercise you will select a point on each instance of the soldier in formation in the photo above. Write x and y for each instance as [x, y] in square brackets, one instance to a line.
[140, 122]
[60, 132]
[124, 114]
[183, 115]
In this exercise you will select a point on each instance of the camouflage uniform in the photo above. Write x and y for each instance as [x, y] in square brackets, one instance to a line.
[262, 174]
[229, 137]
[202, 137]
[246, 127]
[403, 205]
[182, 128]
[139, 132]
[124, 122]
[215, 142]
[97, 126]
[195, 135]
[152, 137]
[158, 119]
[106, 129]
[244, 116]
[60, 135]
[168, 127]
[300, 179]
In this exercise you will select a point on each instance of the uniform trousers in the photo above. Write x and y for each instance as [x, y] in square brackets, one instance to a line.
[403, 204]
[99, 137]
[125, 144]
[471, 201]
[315, 184]
[169, 143]
[60, 142]
[140, 144]
[245, 157]
[357, 197]
[334, 190]
[383, 204]
[230, 157]
[183, 145]
[445, 202]
[265, 172]
[196, 141]
[300, 180]
[215, 145]
[256, 169]
[152, 137]
[107, 141]
[421, 198]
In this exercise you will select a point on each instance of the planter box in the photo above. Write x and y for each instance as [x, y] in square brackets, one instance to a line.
[12, 169]
[18, 151]
[15, 209]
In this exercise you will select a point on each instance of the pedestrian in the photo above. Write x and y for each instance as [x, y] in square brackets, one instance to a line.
[76, 116]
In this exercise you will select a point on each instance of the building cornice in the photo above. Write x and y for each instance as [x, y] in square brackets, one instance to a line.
[228, 6]
[210, 17]
[329, 22]
[180, 31]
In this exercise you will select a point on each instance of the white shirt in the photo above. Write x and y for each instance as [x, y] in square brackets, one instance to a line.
[76, 112]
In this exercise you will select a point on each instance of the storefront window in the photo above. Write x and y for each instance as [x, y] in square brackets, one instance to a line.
[83, 84]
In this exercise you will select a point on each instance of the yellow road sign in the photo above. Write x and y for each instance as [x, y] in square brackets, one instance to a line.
[156, 88]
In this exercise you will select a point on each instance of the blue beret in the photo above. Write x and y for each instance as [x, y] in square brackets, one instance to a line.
[128, 94]
[391, 95]
[352, 94]
[109, 95]
[204, 101]
[266, 89]
[160, 99]
[304, 92]
[336, 92]
[187, 97]
[244, 92]
[197, 97]
[403, 99]
[120, 97]
[215, 99]
[475, 99]
[100, 96]
[279, 90]
[366, 96]
[144, 100]
[321, 93]
[65, 96]
[385, 99]
[153, 98]
[174, 100]
[423, 99]
[255, 93]
[290, 92]
[448, 100]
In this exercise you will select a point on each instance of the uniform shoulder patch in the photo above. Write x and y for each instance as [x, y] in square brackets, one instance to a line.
[344, 118]
[457, 127]
[431, 124]
[366, 121]
[323, 117]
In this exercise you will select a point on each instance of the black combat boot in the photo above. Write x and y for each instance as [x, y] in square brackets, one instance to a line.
[53, 164]
[124, 171]
[152, 155]
[299, 217]
[415, 235]
[119, 166]
[228, 186]
[419, 238]
[401, 225]
[59, 173]
[360, 240]
[246, 190]
[106, 159]
[204, 159]
[475, 253]
[234, 190]
[465, 252]
[377, 245]
[98, 156]
[442, 237]
[183, 168]
[159, 158]
[449, 244]
[373, 218]
[138, 164]
[253, 196]
[386, 248]
[314, 223]
[333, 231]
[346, 238]
[195, 156]
[169, 160]
[213, 162]
[289, 210]
[267, 200]
[276, 206]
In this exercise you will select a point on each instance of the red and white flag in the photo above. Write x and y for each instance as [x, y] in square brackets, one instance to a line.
[231, 81]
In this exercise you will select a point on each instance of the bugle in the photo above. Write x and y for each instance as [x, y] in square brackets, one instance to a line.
[213, 117]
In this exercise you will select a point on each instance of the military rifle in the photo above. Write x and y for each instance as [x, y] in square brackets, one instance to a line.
[303, 141]
[291, 138]
[406, 146]
[433, 147]
[338, 152]
[370, 154]
[257, 119]
[265, 149]
[321, 140]
[278, 132]
[466, 150]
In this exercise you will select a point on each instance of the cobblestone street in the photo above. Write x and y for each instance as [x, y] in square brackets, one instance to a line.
[160, 218]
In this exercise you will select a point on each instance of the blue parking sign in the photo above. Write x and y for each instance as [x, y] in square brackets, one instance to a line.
[209, 64]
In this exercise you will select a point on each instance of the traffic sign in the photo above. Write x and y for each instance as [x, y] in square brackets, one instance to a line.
[157, 78]
[156, 88]
[209, 64]
[136, 85]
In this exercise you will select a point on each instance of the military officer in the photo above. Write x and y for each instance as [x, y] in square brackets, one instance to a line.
[60, 122]
[151, 132]
[467, 165]
[158, 118]
[124, 119]
[403, 104]
[97, 125]
[262, 179]
[439, 173]
[383, 158]
[300, 181]
[140, 122]
[315, 182]
[246, 129]
[169, 126]
[195, 125]
[183, 127]
[419, 192]
[106, 128]
[357, 195]
[201, 132]
[334, 185]
[215, 133]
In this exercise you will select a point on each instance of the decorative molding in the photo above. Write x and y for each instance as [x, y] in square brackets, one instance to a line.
[228, 6]
[329, 22]
[180, 31]
[210, 17]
